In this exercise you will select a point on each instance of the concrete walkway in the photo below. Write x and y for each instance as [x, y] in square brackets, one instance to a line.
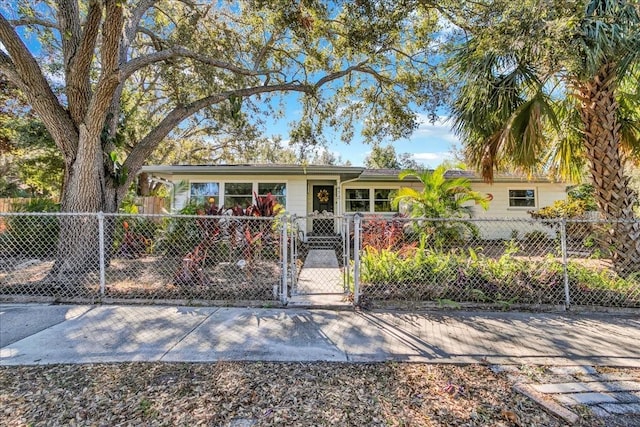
[320, 274]
[45, 334]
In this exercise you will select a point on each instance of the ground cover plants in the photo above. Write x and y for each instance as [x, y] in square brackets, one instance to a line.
[410, 263]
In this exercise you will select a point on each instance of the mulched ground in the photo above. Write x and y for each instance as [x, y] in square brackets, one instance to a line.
[266, 394]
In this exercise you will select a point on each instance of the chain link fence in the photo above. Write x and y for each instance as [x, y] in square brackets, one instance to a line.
[500, 262]
[381, 261]
[140, 257]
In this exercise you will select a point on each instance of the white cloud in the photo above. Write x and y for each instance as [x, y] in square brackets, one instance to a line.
[445, 155]
[426, 156]
[439, 130]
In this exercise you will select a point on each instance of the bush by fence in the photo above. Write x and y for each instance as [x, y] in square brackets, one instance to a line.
[542, 262]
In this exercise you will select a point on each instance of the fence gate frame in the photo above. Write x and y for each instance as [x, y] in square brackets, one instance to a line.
[301, 237]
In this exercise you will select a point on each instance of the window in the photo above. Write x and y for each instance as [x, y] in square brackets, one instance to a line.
[238, 194]
[278, 189]
[522, 198]
[357, 200]
[382, 200]
[201, 192]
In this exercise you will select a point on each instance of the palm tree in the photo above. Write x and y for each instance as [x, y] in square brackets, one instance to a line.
[548, 90]
[440, 198]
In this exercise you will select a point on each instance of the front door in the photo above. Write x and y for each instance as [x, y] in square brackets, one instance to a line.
[323, 203]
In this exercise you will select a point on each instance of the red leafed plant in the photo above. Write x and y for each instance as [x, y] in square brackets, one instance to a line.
[259, 233]
[134, 245]
[265, 206]
[190, 273]
[247, 235]
[382, 233]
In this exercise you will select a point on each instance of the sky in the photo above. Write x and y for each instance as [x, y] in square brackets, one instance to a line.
[430, 144]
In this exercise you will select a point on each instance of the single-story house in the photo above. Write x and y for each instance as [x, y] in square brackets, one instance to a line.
[341, 190]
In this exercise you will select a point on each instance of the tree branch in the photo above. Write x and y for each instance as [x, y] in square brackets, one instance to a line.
[110, 76]
[78, 82]
[148, 144]
[131, 26]
[69, 21]
[179, 52]
[37, 90]
[32, 20]
[339, 74]
[157, 42]
[128, 35]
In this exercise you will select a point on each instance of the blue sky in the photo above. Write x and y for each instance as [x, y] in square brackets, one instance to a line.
[430, 144]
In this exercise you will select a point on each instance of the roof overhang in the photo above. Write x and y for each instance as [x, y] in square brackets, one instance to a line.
[345, 172]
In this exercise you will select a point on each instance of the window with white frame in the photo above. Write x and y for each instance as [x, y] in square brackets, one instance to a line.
[382, 200]
[522, 198]
[201, 192]
[238, 194]
[369, 200]
[357, 200]
[277, 189]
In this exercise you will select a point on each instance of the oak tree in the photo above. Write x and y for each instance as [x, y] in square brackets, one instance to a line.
[76, 61]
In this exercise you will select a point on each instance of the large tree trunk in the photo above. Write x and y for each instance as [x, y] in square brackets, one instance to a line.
[613, 194]
[86, 192]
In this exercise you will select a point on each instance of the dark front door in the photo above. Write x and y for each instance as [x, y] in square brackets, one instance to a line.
[323, 202]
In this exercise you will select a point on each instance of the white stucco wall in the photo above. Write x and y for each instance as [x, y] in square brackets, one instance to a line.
[520, 225]
[297, 187]
[299, 203]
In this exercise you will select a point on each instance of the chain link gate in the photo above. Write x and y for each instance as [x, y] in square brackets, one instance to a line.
[320, 255]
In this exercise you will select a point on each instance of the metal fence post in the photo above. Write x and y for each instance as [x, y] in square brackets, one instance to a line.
[565, 268]
[285, 259]
[101, 250]
[357, 224]
[346, 244]
[294, 251]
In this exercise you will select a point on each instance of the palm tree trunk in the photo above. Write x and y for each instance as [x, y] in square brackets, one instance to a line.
[602, 139]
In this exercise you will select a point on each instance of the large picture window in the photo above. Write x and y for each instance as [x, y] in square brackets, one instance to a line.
[357, 200]
[238, 194]
[200, 192]
[277, 189]
[522, 198]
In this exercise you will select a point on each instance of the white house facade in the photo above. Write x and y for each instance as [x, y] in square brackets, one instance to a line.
[340, 190]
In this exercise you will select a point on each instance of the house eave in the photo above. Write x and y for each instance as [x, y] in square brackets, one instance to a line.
[345, 172]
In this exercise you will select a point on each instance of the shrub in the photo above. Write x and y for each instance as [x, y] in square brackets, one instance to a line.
[561, 209]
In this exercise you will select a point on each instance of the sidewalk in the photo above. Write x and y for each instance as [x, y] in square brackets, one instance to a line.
[47, 334]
